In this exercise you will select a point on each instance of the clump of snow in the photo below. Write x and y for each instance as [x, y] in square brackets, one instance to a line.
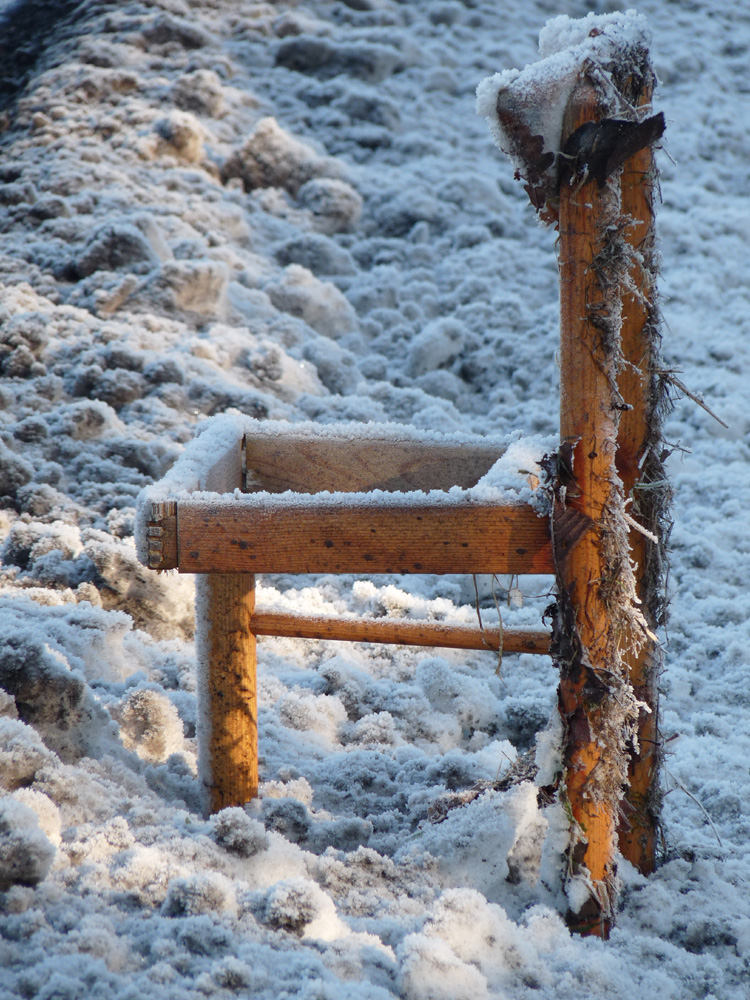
[115, 246]
[335, 206]
[193, 895]
[47, 812]
[23, 755]
[524, 108]
[26, 853]
[335, 367]
[197, 286]
[468, 947]
[271, 157]
[15, 472]
[181, 134]
[238, 833]
[363, 60]
[475, 842]
[150, 724]
[439, 343]
[162, 605]
[318, 303]
[321, 715]
[299, 906]
[317, 253]
[517, 473]
[201, 92]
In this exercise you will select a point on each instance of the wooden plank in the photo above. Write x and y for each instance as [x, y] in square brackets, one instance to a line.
[227, 693]
[309, 464]
[392, 536]
[400, 632]
[224, 473]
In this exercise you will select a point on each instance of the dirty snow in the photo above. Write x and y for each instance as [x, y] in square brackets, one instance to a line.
[292, 211]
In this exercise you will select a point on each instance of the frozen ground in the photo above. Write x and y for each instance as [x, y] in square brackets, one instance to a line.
[293, 210]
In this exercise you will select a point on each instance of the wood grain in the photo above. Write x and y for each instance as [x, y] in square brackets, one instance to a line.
[161, 535]
[639, 825]
[308, 464]
[392, 536]
[586, 422]
[228, 659]
[224, 472]
[400, 632]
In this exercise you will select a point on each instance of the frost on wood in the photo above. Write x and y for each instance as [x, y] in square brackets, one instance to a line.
[578, 129]
[525, 108]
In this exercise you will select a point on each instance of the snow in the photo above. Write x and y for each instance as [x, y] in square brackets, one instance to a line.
[290, 217]
[526, 106]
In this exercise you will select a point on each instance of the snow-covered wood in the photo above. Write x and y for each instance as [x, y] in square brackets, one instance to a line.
[388, 534]
[309, 463]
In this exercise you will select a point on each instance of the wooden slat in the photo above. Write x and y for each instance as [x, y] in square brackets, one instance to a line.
[400, 632]
[393, 536]
[224, 474]
[309, 464]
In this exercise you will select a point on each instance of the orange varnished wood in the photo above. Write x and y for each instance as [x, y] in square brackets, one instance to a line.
[400, 632]
[586, 422]
[395, 535]
[227, 602]
[638, 829]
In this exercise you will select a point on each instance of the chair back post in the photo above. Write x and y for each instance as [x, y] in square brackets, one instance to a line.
[639, 464]
[603, 642]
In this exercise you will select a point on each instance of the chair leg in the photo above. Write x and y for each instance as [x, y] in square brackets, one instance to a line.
[227, 693]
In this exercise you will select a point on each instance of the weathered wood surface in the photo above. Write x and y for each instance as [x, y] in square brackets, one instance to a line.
[161, 532]
[309, 464]
[638, 827]
[587, 425]
[227, 689]
[400, 632]
[224, 473]
[392, 536]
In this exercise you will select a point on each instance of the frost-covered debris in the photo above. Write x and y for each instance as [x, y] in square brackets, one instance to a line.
[371, 259]
[525, 108]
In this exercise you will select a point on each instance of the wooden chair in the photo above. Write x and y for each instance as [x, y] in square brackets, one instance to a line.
[252, 498]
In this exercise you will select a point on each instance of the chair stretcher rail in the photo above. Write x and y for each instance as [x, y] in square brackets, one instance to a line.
[405, 633]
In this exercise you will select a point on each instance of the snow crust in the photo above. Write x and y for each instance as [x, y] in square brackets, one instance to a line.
[387, 273]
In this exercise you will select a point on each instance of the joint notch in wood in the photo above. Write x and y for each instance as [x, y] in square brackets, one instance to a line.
[161, 535]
